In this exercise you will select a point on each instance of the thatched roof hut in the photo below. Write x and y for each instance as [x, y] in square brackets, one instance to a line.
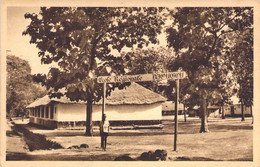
[131, 105]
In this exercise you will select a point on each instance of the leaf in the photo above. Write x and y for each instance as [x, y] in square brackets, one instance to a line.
[72, 89]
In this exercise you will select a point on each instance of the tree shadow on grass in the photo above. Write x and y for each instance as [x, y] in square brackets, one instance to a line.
[15, 156]
[31, 126]
[35, 141]
[193, 159]
[11, 133]
[207, 159]
[230, 127]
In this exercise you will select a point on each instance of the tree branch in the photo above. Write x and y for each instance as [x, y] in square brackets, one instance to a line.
[227, 22]
[224, 32]
[98, 38]
[217, 36]
[209, 54]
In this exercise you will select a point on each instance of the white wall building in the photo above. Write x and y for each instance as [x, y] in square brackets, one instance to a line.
[132, 105]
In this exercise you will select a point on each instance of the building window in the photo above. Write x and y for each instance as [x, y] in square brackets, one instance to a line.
[47, 112]
[52, 110]
[42, 112]
[37, 112]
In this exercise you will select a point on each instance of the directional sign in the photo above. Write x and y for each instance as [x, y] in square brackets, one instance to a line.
[142, 77]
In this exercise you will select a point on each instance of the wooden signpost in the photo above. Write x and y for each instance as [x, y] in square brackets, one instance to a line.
[142, 78]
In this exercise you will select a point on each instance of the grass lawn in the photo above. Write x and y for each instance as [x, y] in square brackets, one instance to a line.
[228, 139]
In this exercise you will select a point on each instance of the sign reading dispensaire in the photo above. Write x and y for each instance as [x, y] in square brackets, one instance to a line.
[142, 77]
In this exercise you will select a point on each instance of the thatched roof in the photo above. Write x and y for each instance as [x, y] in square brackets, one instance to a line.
[133, 94]
[46, 100]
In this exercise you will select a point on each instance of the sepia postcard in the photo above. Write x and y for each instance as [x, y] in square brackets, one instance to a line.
[94, 83]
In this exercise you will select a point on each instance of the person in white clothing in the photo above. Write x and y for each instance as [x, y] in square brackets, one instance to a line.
[104, 129]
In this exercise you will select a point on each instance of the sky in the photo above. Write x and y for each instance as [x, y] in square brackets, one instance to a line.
[19, 44]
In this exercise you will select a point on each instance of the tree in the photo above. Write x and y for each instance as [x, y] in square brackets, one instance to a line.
[202, 41]
[223, 94]
[85, 42]
[243, 69]
[21, 90]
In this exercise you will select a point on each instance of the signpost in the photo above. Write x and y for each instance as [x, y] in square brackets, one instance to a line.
[142, 78]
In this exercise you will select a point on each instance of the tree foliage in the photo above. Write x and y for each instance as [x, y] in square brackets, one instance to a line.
[202, 40]
[150, 60]
[243, 58]
[85, 43]
[21, 90]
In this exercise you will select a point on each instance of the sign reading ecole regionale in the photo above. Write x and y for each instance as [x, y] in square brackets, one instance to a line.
[142, 77]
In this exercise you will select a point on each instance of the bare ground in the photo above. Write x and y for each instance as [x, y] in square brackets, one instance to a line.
[228, 140]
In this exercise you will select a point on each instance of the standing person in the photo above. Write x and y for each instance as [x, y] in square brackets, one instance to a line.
[104, 129]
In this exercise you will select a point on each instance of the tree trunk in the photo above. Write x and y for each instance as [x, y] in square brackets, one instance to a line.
[251, 111]
[204, 116]
[89, 128]
[207, 114]
[223, 112]
[242, 112]
[185, 120]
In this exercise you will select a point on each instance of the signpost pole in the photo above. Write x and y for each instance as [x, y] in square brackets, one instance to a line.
[176, 115]
[103, 112]
[104, 100]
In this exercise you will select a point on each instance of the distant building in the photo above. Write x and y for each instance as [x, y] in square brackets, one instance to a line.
[212, 111]
[216, 111]
[168, 108]
[194, 111]
[235, 110]
[132, 105]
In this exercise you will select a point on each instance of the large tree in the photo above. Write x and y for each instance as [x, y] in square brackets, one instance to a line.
[201, 39]
[244, 65]
[21, 90]
[85, 43]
